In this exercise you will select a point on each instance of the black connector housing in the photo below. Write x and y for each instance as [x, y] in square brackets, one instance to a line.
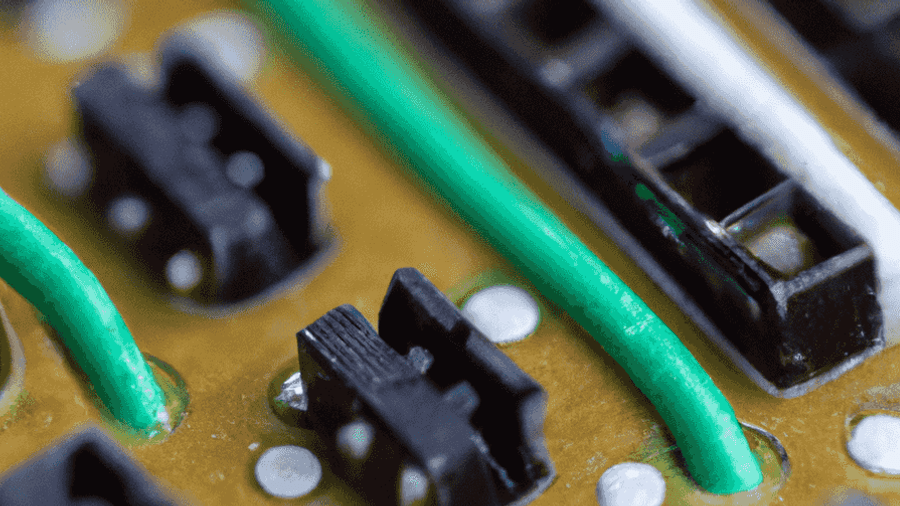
[857, 39]
[782, 285]
[208, 174]
[466, 414]
[85, 468]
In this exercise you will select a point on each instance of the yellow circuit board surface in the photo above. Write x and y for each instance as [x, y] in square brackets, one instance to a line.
[385, 220]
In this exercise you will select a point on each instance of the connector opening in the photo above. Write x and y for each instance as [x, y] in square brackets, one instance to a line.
[722, 175]
[556, 22]
[790, 233]
[633, 77]
[92, 478]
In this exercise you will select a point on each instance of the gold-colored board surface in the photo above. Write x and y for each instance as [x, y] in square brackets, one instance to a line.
[385, 220]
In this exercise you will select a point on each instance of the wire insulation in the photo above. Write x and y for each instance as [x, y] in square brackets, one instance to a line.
[38, 265]
[346, 47]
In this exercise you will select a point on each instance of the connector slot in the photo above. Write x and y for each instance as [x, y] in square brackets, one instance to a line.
[789, 232]
[555, 22]
[721, 175]
[634, 76]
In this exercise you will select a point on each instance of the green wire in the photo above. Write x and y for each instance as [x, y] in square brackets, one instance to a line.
[35, 263]
[351, 51]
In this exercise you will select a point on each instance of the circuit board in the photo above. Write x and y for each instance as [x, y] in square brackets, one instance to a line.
[385, 220]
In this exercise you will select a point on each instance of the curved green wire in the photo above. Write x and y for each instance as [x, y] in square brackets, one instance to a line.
[35, 263]
[347, 47]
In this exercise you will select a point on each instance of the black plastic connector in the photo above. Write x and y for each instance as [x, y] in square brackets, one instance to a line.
[215, 198]
[784, 288]
[817, 21]
[857, 39]
[438, 394]
[87, 468]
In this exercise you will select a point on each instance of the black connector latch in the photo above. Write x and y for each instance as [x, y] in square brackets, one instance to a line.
[86, 468]
[216, 199]
[438, 394]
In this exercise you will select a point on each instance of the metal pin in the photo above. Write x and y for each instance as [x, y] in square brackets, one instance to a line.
[293, 393]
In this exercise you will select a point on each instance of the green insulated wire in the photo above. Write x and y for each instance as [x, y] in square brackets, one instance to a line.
[348, 49]
[47, 273]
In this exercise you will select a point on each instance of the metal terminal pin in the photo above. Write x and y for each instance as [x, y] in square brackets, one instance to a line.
[293, 393]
